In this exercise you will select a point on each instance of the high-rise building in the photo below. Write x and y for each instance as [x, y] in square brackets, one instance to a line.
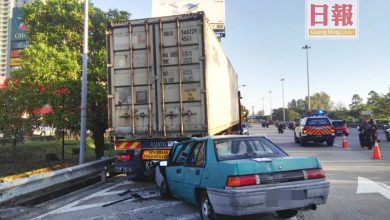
[6, 18]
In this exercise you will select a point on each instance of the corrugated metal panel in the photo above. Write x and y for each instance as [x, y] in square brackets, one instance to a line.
[157, 78]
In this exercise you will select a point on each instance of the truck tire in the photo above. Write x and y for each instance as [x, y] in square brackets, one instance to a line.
[330, 143]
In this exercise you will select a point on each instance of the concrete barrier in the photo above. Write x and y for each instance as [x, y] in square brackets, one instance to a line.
[32, 185]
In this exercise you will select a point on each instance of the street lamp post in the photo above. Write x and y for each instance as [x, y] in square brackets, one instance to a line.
[284, 112]
[83, 123]
[263, 107]
[307, 47]
[270, 104]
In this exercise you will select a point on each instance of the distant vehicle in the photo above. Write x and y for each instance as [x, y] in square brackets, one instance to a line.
[367, 136]
[44, 130]
[292, 125]
[315, 129]
[340, 127]
[386, 126]
[245, 129]
[387, 132]
[241, 175]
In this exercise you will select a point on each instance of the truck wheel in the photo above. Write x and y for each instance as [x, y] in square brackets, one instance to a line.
[329, 143]
[164, 190]
[205, 207]
[289, 213]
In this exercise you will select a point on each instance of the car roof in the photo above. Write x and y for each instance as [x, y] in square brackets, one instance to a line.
[216, 137]
[310, 117]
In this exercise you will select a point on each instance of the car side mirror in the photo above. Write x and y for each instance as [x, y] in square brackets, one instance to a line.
[163, 163]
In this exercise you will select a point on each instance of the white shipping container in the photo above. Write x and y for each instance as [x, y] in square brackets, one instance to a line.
[169, 78]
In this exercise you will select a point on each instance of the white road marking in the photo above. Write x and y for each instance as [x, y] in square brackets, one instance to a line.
[70, 206]
[185, 217]
[369, 186]
[158, 206]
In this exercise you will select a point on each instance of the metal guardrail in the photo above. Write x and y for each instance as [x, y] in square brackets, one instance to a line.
[23, 187]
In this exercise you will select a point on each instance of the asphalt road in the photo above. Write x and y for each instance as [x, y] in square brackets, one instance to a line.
[343, 168]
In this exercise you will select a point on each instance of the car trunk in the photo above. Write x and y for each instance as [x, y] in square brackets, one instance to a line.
[273, 165]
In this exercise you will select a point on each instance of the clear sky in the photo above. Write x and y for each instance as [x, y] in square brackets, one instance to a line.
[264, 40]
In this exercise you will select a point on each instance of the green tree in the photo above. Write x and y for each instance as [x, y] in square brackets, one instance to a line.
[53, 61]
[379, 104]
[298, 106]
[290, 115]
[244, 113]
[356, 106]
[321, 100]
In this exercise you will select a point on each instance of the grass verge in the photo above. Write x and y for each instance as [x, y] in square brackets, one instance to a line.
[30, 158]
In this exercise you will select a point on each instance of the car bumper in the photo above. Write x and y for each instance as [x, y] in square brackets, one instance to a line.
[318, 138]
[259, 199]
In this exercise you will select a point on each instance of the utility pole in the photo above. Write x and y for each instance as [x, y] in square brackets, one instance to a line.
[284, 112]
[263, 108]
[307, 47]
[270, 104]
[83, 125]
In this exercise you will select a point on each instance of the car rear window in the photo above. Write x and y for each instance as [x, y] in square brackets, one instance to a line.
[338, 123]
[243, 148]
[318, 121]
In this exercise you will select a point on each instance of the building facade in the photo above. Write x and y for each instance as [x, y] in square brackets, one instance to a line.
[5, 17]
[7, 7]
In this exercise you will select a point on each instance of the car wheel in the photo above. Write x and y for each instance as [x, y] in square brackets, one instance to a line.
[205, 207]
[346, 134]
[329, 143]
[289, 213]
[388, 136]
[296, 139]
[164, 190]
[303, 143]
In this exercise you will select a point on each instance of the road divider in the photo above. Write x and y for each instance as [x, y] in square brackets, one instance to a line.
[48, 182]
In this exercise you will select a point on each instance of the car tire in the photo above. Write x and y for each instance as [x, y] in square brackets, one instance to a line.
[164, 190]
[388, 136]
[329, 143]
[289, 213]
[296, 139]
[303, 143]
[346, 134]
[206, 210]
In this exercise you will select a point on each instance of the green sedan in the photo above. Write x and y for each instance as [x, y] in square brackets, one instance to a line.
[241, 175]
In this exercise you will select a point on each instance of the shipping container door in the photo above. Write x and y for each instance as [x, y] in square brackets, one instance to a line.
[180, 66]
[131, 81]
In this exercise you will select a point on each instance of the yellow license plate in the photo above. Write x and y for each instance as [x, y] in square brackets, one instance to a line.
[155, 154]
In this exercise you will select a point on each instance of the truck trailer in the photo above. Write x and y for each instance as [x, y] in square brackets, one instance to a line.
[168, 80]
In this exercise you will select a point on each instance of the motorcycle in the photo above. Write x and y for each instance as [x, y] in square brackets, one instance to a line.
[367, 137]
[280, 129]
